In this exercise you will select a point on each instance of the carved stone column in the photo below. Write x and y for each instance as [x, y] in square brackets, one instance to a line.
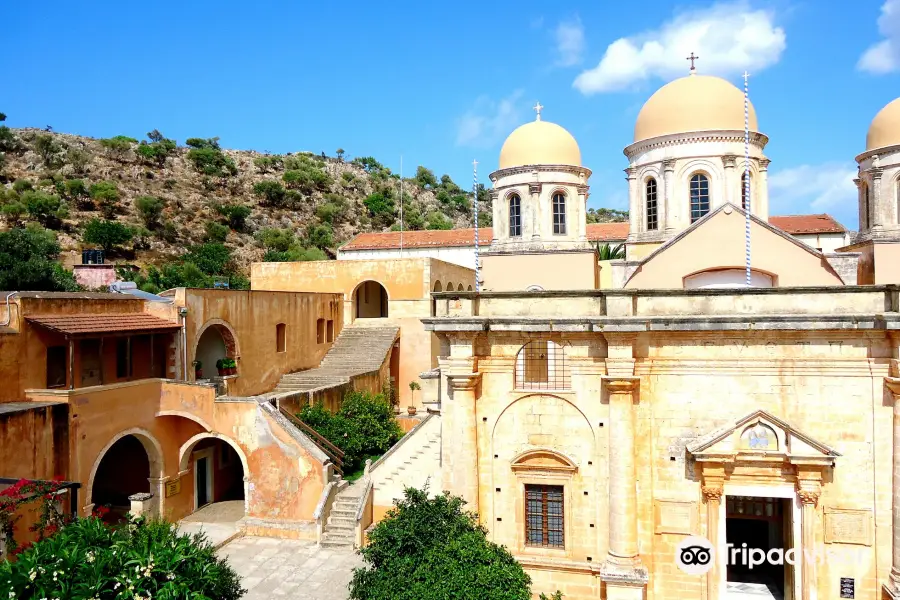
[460, 428]
[713, 490]
[731, 186]
[635, 211]
[809, 499]
[892, 587]
[863, 209]
[497, 211]
[534, 190]
[673, 213]
[623, 573]
[581, 222]
[762, 190]
[878, 211]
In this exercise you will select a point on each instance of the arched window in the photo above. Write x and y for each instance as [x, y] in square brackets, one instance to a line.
[746, 192]
[459, 288]
[541, 365]
[652, 213]
[699, 196]
[866, 207]
[437, 286]
[515, 216]
[559, 213]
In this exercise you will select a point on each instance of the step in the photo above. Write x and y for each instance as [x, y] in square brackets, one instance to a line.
[343, 514]
[336, 543]
[340, 523]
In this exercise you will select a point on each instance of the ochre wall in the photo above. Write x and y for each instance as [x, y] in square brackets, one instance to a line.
[252, 316]
[719, 243]
[887, 263]
[34, 442]
[550, 271]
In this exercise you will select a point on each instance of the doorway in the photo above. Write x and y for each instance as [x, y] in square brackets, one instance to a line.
[370, 301]
[761, 524]
[203, 477]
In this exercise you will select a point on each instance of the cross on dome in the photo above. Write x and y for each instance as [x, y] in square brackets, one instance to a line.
[692, 58]
[538, 108]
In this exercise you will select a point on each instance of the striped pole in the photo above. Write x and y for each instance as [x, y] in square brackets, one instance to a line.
[747, 208]
[475, 197]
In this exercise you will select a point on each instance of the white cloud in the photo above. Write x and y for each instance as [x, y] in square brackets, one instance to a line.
[884, 57]
[489, 121]
[827, 187]
[569, 42]
[728, 38]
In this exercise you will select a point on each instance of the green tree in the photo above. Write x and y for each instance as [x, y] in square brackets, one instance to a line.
[76, 191]
[271, 192]
[208, 158]
[90, 559]
[28, 261]
[79, 158]
[8, 140]
[607, 252]
[320, 236]
[381, 209]
[235, 214]
[106, 234]
[438, 220]
[215, 232]
[13, 211]
[340, 154]
[50, 151]
[212, 258]
[157, 149]
[46, 209]
[150, 209]
[279, 240]
[118, 146]
[106, 196]
[430, 548]
[203, 143]
[425, 177]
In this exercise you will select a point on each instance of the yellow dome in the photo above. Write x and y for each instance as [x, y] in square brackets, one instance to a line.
[885, 128]
[540, 143]
[693, 103]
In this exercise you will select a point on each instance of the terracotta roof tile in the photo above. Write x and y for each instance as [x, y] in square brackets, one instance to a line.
[798, 224]
[102, 323]
[596, 232]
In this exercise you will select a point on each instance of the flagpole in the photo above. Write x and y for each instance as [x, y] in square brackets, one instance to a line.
[747, 208]
[475, 197]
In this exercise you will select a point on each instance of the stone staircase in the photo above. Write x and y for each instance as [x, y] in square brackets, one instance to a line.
[413, 462]
[359, 349]
[340, 529]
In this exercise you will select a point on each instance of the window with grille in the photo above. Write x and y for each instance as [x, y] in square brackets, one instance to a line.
[544, 516]
[652, 213]
[559, 213]
[541, 365]
[745, 192]
[699, 196]
[515, 216]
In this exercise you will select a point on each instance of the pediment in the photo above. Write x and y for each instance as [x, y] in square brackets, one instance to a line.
[544, 460]
[761, 436]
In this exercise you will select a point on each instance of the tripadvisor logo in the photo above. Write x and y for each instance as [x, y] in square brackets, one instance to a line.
[695, 555]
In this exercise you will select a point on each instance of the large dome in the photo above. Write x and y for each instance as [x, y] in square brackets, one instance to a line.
[540, 143]
[693, 103]
[885, 128]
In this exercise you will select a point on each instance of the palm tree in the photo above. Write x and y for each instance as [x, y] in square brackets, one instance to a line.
[606, 252]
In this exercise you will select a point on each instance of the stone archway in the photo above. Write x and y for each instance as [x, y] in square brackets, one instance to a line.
[370, 301]
[130, 463]
[226, 472]
[215, 340]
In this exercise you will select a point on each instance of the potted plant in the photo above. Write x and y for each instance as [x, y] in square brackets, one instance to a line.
[230, 366]
[413, 386]
[198, 369]
[220, 367]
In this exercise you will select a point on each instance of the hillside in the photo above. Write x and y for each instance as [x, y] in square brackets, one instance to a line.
[155, 201]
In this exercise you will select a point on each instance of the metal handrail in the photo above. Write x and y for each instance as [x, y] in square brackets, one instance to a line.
[333, 452]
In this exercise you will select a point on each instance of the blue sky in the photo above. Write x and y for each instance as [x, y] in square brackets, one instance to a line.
[444, 83]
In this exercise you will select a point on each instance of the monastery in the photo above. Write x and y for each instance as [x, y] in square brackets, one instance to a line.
[595, 414]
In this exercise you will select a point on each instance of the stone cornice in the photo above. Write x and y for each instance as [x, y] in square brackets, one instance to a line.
[618, 384]
[463, 381]
[893, 384]
[677, 139]
[877, 152]
[581, 171]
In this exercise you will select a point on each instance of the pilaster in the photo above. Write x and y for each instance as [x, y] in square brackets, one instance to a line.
[635, 213]
[581, 221]
[808, 492]
[534, 191]
[496, 209]
[892, 587]
[713, 489]
[624, 575]
[762, 190]
[673, 214]
[879, 218]
[730, 162]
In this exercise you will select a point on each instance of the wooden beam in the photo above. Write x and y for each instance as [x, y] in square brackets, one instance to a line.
[71, 363]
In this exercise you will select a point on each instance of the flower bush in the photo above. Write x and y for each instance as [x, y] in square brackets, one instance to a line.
[89, 560]
[23, 492]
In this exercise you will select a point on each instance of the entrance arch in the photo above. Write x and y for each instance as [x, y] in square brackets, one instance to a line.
[216, 340]
[219, 467]
[370, 301]
[132, 462]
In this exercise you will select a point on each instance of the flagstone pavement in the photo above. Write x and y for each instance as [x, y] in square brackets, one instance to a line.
[273, 568]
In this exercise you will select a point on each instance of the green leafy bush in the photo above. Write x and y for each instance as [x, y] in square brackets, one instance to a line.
[208, 158]
[76, 190]
[8, 140]
[118, 146]
[432, 549]
[438, 220]
[28, 261]
[215, 232]
[106, 234]
[212, 258]
[267, 163]
[46, 209]
[90, 560]
[320, 236]
[50, 151]
[363, 427]
[425, 177]
[157, 149]
[106, 196]
[272, 192]
[150, 210]
[235, 214]
[381, 209]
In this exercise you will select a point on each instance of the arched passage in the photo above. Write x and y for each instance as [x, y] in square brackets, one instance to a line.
[125, 467]
[216, 341]
[218, 469]
[370, 301]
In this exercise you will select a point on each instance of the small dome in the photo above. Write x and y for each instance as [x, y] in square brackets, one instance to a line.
[693, 103]
[885, 128]
[540, 143]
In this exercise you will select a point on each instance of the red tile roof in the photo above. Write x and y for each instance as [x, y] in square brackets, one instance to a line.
[596, 232]
[103, 323]
[798, 224]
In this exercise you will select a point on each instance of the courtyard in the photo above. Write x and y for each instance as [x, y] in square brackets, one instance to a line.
[296, 569]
